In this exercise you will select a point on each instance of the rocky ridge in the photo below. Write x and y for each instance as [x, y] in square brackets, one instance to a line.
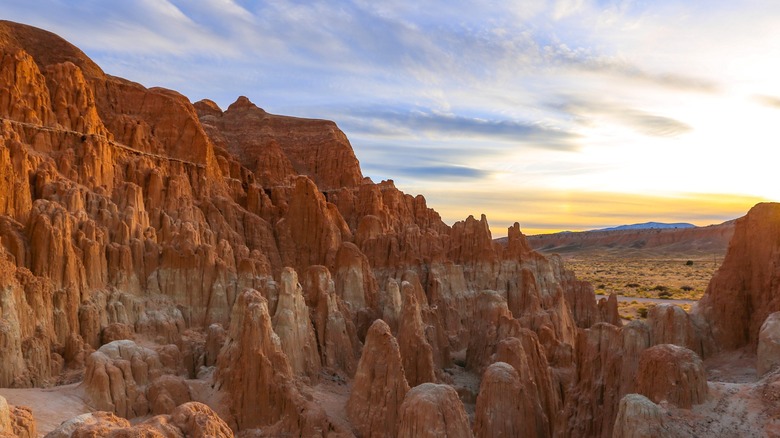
[220, 269]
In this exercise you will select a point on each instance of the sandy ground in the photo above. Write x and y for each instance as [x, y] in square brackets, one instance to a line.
[739, 403]
[332, 394]
[51, 406]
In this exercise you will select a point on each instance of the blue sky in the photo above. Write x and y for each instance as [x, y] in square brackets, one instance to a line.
[568, 114]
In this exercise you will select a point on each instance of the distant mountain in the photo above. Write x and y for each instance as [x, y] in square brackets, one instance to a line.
[646, 239]
[648, 226]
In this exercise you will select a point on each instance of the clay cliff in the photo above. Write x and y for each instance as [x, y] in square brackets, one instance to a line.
[744, 291]
[233, 272]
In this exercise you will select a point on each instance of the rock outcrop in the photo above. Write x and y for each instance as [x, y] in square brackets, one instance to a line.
[638, 417]
[671, 373]
[607, 361]
[502, 407]
[296, 333]
[339, 346]
[252, 368]
[670, 324]
[416, 352]
[430, 410]
[538, 399]
[379, 387]
[120, 378]
[744, 290]
[189, 419]
[275, 147]
[16, 421]
[768, 355]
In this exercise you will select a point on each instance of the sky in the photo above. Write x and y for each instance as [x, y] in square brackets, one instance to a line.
[559, 114]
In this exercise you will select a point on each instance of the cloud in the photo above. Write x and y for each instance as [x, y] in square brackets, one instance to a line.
[653, 125]
[438, 172]
[770, 101]
[587, 108]
[416, 123]
[587, 60]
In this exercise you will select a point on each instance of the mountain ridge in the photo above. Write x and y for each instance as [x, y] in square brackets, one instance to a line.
[710, 239]
[648, 226]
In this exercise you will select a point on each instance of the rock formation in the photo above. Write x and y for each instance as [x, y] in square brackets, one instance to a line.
[670, 324]
[607, 361]
[252, 368]
[119, 378]
[769, 344]
[743, 291]
[671, 373]
[296, 333]
[16, 421]
[416, 352]
[189, 419]
[501, 405]
[339, 346]
[430, 410]
[535, 394]
[639, 417]
[379, 387]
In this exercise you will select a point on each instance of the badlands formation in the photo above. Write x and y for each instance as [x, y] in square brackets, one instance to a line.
[188, 271]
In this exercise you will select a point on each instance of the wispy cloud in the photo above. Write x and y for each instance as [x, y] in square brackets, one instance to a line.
[590, 61]
[440, 172]
[770, 101]
[415, 123]
[587, 108]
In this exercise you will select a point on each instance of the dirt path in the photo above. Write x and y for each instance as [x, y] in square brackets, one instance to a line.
[650, 300]
[51, 406]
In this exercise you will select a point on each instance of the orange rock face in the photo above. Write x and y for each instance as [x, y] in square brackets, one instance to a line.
[501, 405]
[16, 421]
[416, 352]
[539, 402]
[430, 410]
[189, 419]
[743, 291]
[252, 368]
[607, 360]
[672, 373]
[379, 387]
[276, 147]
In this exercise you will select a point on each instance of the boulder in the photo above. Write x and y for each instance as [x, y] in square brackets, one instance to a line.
[673, 374]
